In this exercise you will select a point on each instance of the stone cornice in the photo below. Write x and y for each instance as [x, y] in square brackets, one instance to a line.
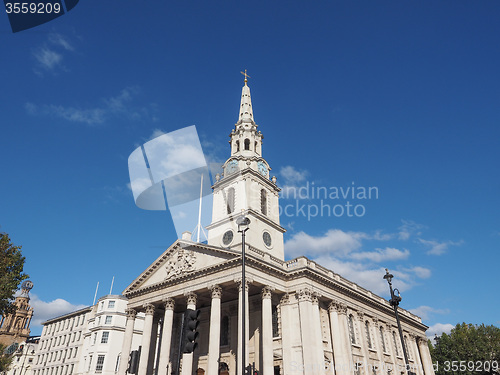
[286, 271]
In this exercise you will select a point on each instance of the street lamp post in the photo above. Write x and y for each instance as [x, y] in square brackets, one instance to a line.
[243, 225]
[394, 301]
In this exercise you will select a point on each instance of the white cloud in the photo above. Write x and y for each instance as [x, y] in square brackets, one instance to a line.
[438, 248]
[47, 58]
[113, 106]
[43, 311]
[408, 229]
[291, 175]
[369, 277]
[59, 40]
[423, 273]
[88, 116]
[333, 241]
[438, 329]
[340, 252]
[426, 311]
[50, 54]
[379, 255]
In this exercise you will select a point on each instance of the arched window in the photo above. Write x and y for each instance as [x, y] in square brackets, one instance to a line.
[263, 202]
[255, 146]
[224, 331]
[237, 146]
[247, 144]
[381, 330]
[275, 322]
[395, 342]
[230, 201]
[368, 337]
[351, 329]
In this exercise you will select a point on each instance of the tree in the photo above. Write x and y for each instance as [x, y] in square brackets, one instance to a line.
[11, 273]
[468, 350]
[5, 359]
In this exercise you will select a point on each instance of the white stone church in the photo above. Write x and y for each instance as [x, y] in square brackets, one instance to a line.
[301, 318]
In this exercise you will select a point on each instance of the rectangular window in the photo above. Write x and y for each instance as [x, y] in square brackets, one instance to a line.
[105, 337]
[90, 364]
[76, 351]
[95, 337]
[108, 319]
[111, 304]
[71, 369]
[100, 363]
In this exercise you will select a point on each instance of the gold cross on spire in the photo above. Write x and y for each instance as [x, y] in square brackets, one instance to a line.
[246, 76]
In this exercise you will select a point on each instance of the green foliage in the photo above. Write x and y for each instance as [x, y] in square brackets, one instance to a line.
[11, 273]
[5, 359]
[468, 350]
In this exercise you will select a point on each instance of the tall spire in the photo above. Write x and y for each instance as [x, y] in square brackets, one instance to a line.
[246, 112]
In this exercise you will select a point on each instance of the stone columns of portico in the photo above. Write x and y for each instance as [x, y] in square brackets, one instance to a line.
[307, 331]
[318, 335]
[425, 355]
[187, 358]
[214, 340]
[166, 336]
[241, 365]
[267, 331]
[146, 339]
[127, 340]
[152, 347]
[418, 363]
[344, 332]
[287, 329]
[340, 361]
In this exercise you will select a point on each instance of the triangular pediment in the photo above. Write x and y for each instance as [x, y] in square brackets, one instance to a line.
[181, 259]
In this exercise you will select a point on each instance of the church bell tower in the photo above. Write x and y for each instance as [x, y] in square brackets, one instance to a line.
[246, 187]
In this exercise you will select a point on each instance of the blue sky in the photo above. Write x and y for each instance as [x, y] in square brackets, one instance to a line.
[398, 95]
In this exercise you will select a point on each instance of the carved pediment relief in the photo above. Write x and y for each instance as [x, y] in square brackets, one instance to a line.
[181, 262]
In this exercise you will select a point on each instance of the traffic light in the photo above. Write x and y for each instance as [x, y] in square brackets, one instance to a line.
[250, 370]
[190, 333]
[133, 361]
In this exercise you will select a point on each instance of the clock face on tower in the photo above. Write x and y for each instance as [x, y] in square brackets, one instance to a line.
[262, 168]
[227, 238]
[267, 239]
[231, 167]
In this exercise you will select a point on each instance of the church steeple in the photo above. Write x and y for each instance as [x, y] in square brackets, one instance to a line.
[246, 140]
[246, 112]
[246, 187]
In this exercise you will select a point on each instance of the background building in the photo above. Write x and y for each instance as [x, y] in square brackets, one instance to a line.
[86, 341]
[24, 357]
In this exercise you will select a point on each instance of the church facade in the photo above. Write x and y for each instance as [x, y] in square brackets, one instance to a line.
[300, 318]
